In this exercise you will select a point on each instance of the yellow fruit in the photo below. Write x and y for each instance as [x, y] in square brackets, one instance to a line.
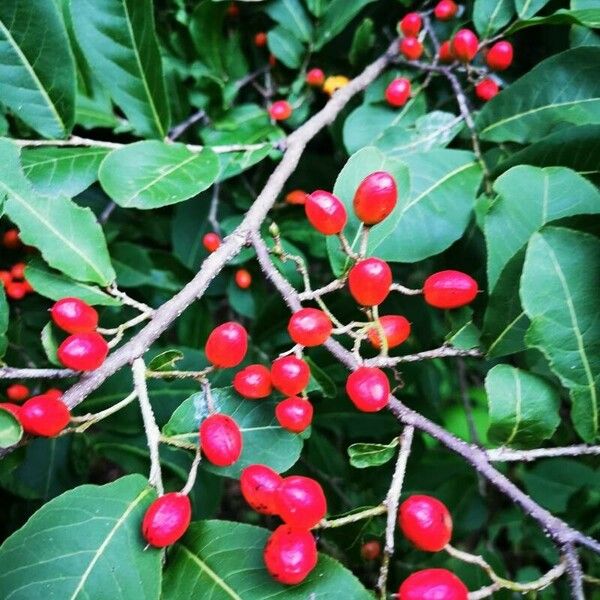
[334, 83]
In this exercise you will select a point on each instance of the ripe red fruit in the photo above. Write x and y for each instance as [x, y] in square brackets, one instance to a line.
[44, 416]
[445, 53]
[368, 388]
[426, 522]
[449, 289]
[5, 278]
[53, 393]
[272, 60]
[260, 39]
[253, 382]
[464, 45]
[411, 48]
[325, 212]
[395, 328]
[315, 77]
[369, 281]
[309, 327]
[243, 279]
[233, 10]
[301, 502]
[74, 315]
[17, 290]
[18, 271]
[411, 23]
[211, 241]
[220, 440]
[296, 197]
[433, 584]
[486, 89]
[500, 56]
[376, 196]
[290, 375]
[17, 392]
[370, 550]
[226, 345]
[445, 10]
[280, 110]
[290, 554]
[83, 351]
[167, 519]
[259, 485]
[14, 409]
[397, 92]
[294, 414]
[11, 239]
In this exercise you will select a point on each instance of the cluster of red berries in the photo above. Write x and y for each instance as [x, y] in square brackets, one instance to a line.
[13, 280]
[211, 241]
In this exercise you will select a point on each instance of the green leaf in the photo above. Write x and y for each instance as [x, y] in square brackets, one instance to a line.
[152, 174]
[489, 16]
[264, 441]
[10, 429]
[4, 312]
[37, 70]
[291, 16]
[68, 236]
[285, 47]
[559, 293]
[523, 407]
[119, 42]
[222, 559]
[527, 8]
[50, 343]
[62, 171]
[165, 361]
[561, 89]
[587, 18]
[363, 456]
[82, 542]
[206, 31]
[320, 380]
[362, 42]
[335, 18]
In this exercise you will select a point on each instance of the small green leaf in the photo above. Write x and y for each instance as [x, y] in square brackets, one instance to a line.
[336, 16]
[362, 42]
[165, 361]
[292, 17]
[489, 16]
[50, 343]
[527, 8]
[363, 456]
[10, 429]
[586, 17]
[285, 47]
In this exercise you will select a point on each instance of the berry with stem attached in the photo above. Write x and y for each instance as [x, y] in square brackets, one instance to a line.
[294, 414]
[396, 329]
[167, 519]
[445, 10]
[464, 45]
[426, 522]
[411, 24]
[411, 48]
[280, 110]
[74, 315]
[325, 212]
[290, 375]
[449, 289]
[226, 345]
[44, 416]
[83, 351]
[369, 281]
[259, 485]
[253, 382]
[220, 440]
[301, 501]
[368, 388]
[375, 197]
[310, 327]
[500, 56]
[290, 554]
[486, 89]
[433, 584]
[397, 92]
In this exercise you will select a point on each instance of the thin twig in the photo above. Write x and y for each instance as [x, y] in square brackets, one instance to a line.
[213, 211]
[441, 352]
[191, 480]
[396, 287]
[92, 418]
[574, 572]
[507, 455]
[353, 517]
[182, 127]
[18, 373]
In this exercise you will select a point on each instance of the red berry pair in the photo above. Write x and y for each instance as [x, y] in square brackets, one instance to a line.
[14, 282]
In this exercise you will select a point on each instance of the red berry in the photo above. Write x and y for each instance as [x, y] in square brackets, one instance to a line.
[449, 289]
[294, 414]
[259, 485]
[53, 393]
[369, 281]
[16, 290]
[368, 388]
[260, 39]
[11, 239]
[396, 329]
[411, 48]
[411, 23]
[290, 554]
[433, 584]
[301, 502]
[315, 77]
[310, 327]
[500, 56]
[325, 212]
[445, 10]
[370, 550]
[445, 52]
[464, 45]
[17, 392]
[83, 351]
[296, 197]
[5, 278]
[253, 382]
[272, 60]
[233, 10]
[290, 375]
[167, 519]
[18, 271]
[486, 89]
[280, 110]
[211, 241]
[74, 315]
[227, 345]
[14, 409]
[44, 416]
[243, 279]
[426, 522]
[397, 92]
[220, 440]
[376, 195]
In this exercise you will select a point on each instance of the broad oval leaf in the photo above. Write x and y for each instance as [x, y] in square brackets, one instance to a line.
[223, 560]
[288, 49]
[364, 455]
[562, 89]
[10, 429]
[264, 441]
[527, 8]
[37, 70]
[489, 16]
[86, 540]
[335, 17]
[152, 174]
[119, 42]
[291, 16]
[523, 407]
[559, 293]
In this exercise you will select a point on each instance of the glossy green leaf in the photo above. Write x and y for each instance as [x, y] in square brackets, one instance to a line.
[587, 18]
[68, 236]
[489, 16]
[119, 42]
[363, 456]
[206, 31]
[223, 560]
[50, 342]
[291, 15]
[362, 42]
[84, 541]
[165, 361]
[37, 70]
[152, 174]
[559, 292]
[336, 16]
[62, 171]
[527, 8]
[523, 407]
[561, 89]
[264, 441]
[10, 429]
[288, 49]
